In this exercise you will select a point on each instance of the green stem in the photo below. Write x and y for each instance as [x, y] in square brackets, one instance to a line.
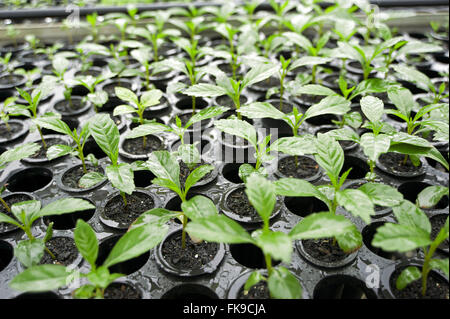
[193, 105]
[124, 198]
[42, 137]
[183, 233]
[313, 74]
[268, 264]
[8, 209]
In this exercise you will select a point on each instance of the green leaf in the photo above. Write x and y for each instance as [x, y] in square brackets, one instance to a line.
[402, 99]
[407, 276]
[372, 107]
[65, 206]
[54, 124]
[284, 285]
[357, 203]
[106, 135]
[258, 110]
[150, 98]
[147, 129]
[126, 95]
[373, 146]
[41, 278]
[409, 214]
[136, 242]
[6, 219]
[239, 128]
[205, 114]
[90, 179]
[86, 242]
[30, 210]
[276, 244]
[219, 228]
[189, 154]
[321, 225]
[262, 196]
[368, 86]
[431, 195]
[165, 166]
[295, 145]
[308, 60]
[417, 77]
[121, 177]
[205, 90]
[199, 207]
[29, 252]
[101, 277]
[294, 187]
[314, 89]
[259, 73]
[401, 238]
[59, 150]
[351, 240]
[124, 109]
[440, 264]
[382, 194]
[329, 105]
[330, 156]
[19, 152]
[252, 280]
[196, 175]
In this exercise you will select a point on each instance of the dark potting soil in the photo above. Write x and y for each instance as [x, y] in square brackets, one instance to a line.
[73, 175]
[267, 84]
[306, 167]
[437, 222]
[258, 291]
[135, 145]
[238, 202]
[137, 203]
[193, 256]
[226, 101]
[63, 248]
[324, 250]
[10, 79]
[394, 163]
[118, 290]
[185, 171]
[436, 289]
[13, 129]
[42, 153]
[64, 106]
[11, 200]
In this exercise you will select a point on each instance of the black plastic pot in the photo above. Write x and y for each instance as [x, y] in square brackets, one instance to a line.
[381, 164]
[19, 129]
[78, 107]
[70, 170]
[41, 157]
[11, 199]
[170, 268]
[310, 175]
[11, 81]
[126, 147]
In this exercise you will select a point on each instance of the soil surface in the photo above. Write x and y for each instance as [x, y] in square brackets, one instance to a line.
[239, 204]
[64, 106]
[63, 248]
[11, 200]
[324, 250]
[7, 134]
[306, 167]
[194, 256]
[436, 289]
[437, 222]
[73, 175]
[258, 291]
[121, 291]
[42, 153]
[135, 145]
[394, 163]
[10, 80]
[137, 203]
[185, 171]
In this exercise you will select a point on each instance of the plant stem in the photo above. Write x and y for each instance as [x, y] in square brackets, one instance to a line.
[268, 264]
[124, 198]
[183, 233]
[8, 209]
[313, 74]
[42, 137]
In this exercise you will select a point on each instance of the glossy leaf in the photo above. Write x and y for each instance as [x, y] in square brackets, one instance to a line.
[407, 276]
[147, 129]
[258, 110]
[106, 135]
[278, 245]
[261, 194]
[320, 225]
[373, 146]
[121, 177]
[294, 145]
[196, 175]
[59, 150]
[90, 179]
[382, 194]
[431, 195]
[19, 152]
[165, 166]
[258, 73]
[440, 264]
[199, 207]
[86, 242]
[329, 105]
[401, 238]
[330, 156]
[357, 203]
[205, 90]
[284, 285]
[372, 108]
[239, 128]
[409, 214]
[29, 252]
[41, 278]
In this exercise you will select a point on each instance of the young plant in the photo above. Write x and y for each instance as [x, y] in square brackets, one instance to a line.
[230, 87]
[29, 75]
[166, 168]
[413, 231]
[9, 67]
[98, 98]
[275, 245]
[30, 251]
[16, 154]
[9, 108]
[228, 33]
[106, 134]
[86, 51]
[280, 12]
[133, 243]
[148, 99]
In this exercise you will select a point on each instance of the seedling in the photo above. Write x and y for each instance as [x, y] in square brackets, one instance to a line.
[9, 108]
[280, 12]
[9, 67]
[413, 231]
[29, 252]
[92, 20]
[49, 277]
[228, 32]
[98, 98]
[148, 99]
[87, 50]
[230, 87]
[29, 75]
[166, 168]
[106, 134]
[34, 42]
